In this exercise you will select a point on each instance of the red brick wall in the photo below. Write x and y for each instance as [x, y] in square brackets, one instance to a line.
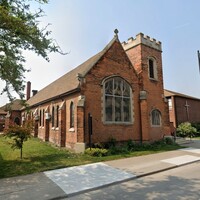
[181, 114]
[45, 131]
[71, 136]
[114, 62]
[172, 115]
[155, 93]
[62, 135]
[2, 121]
[13, 115]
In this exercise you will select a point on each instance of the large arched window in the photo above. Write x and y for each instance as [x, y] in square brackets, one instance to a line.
[117, 101]
[155, 118]
[152, 69]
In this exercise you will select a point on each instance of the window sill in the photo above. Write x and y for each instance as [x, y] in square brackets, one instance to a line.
[118, 123]
[72, 130]
[156, 126]
[153, 79]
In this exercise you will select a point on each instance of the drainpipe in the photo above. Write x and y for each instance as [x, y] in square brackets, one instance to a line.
[143, 96]
[140, 117]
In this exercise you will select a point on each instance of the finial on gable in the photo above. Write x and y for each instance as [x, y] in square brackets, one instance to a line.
[116, 32]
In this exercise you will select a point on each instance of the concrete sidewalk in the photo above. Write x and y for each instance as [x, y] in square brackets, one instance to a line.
[61, 183]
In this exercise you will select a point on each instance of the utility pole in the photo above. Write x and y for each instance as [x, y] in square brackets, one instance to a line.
[198, 54]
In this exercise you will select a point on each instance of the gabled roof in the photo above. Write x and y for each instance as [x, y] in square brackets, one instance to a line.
[15, 105]
[68, 82]
[169, 93]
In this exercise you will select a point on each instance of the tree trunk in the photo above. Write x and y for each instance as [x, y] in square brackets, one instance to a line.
[21, 148]
[21, 153]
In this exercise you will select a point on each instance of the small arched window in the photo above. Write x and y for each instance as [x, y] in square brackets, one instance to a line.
[117, 101]
[152, 69]
[53, 116]
[155, 118]
[57, 116]
[17, 120]
[43, 117]
[40, 117]
[71, 115]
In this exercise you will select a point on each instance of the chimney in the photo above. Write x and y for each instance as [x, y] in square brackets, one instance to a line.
[28, 90]
[34, 92]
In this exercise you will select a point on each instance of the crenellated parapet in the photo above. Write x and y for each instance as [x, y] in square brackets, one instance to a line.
[142, 39]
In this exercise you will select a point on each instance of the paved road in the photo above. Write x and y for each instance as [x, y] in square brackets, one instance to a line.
[177, 184]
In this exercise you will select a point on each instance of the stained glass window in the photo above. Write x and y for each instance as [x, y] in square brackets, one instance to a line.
[156, 118]
[117, 94]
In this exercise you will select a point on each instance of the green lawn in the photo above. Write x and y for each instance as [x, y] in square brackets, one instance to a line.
[196, 138]
[41, 156]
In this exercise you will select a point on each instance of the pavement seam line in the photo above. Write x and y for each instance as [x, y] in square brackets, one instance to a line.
[128, 179]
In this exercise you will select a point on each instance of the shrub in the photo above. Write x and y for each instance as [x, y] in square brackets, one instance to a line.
[96, 152]
[130, 145]
[98, 145]
[197, 126]
[118, 150]
[127, 148]
[186, 130]
[168, 140]
[110, 143]
[137, 146]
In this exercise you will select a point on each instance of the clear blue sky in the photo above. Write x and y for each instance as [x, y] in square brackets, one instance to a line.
[84, 27]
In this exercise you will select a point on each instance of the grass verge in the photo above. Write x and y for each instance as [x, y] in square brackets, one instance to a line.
[41, 156]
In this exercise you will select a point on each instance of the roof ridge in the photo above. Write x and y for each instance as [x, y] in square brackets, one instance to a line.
[71, 78]
[102, 52]
[180, 94]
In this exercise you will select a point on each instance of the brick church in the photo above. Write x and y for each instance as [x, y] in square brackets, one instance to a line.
[182, 108]
[122, 89]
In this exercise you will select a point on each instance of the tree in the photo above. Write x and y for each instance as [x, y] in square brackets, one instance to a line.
[19, 134]
[186, 130]
[19, 31]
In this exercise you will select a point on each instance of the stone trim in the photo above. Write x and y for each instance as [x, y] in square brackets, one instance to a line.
[142, 39]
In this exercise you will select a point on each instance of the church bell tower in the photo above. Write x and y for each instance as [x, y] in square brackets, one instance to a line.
[145, 54]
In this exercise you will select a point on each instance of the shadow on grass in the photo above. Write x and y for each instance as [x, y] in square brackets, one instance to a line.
[1, 159]
[39, 156]
[9, 168]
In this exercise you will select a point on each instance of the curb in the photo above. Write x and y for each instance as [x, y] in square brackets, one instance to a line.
[122, 181]
[166, 169]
